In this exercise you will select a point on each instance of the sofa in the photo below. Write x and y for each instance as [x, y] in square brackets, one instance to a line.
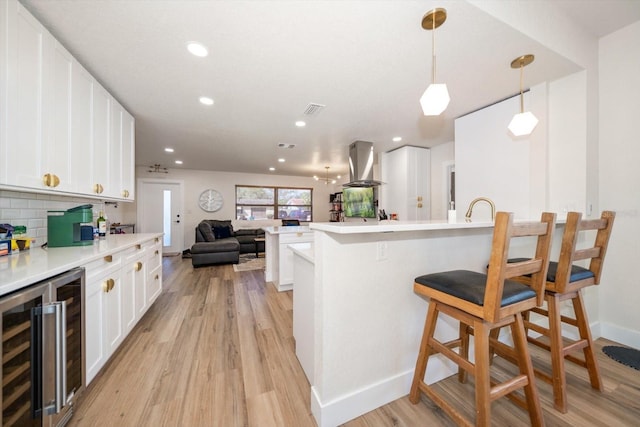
[218, 243]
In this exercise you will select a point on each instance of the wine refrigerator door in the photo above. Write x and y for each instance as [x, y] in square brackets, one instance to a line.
[68, 290]
[23, 385]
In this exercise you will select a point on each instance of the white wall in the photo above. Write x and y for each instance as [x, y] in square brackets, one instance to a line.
[492, 163]
[619, 178]
[196, 181]
[567, 185]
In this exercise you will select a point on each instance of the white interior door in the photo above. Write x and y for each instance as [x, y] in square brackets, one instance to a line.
[159, 210]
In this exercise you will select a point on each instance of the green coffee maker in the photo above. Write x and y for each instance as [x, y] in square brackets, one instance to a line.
[73, 227]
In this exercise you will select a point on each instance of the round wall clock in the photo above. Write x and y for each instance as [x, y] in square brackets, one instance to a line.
[210, 200]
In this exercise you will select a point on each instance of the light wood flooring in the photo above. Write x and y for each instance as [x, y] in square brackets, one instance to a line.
[216, 349]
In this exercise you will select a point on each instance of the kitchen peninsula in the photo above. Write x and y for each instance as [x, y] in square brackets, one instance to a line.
[358, 322]
[279, 258]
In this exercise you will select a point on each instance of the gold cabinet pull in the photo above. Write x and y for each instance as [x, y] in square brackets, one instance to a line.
[419, 205]
[157, 277]
[138, 247]
[50, 180]
[98, 188]
[108, 258]
[108, 285]
[156, 253]
[157, 240]
[125, 193]
[138, 266]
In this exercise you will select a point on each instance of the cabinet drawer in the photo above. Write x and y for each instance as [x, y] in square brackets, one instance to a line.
[154, 256]
[296, 237]
[103, 264]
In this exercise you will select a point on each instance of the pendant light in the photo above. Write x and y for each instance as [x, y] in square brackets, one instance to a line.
[326, 180]
[436, 98]
[522, 123]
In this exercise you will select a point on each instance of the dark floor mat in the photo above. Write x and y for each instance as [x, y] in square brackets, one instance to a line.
[627, 356]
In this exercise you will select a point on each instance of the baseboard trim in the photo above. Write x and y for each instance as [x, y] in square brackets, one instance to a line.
[349, 406]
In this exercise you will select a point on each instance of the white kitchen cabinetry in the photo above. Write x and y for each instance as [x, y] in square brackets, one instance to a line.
[120, 288]
[81, 131]
[28, 59]
[103, 317]
[153, 284]
[60, 131]
[406, 192]
[279, 257]
[127, 161]
[101, 140]
[133, 274]
[286, 256]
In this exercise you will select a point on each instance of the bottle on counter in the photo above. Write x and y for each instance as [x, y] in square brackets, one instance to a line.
[102, 226]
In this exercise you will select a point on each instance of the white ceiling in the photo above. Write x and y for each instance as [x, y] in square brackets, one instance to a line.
[367, 61]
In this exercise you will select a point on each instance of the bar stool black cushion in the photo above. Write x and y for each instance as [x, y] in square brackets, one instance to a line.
[577, 272]
[470, 286]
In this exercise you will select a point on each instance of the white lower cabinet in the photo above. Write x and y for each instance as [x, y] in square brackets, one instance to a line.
[120, 288]
[133, 273]
[153, 286]
[285, 257]
[103, 322]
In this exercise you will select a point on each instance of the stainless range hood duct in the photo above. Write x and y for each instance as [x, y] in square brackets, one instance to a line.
[361, 165]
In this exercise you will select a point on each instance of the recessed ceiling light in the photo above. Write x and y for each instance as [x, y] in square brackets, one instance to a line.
[397, 139]
[300, 124]
[178, 162]
[206, 100]
[168, 150]
[272, 169]
[197, 49]
[281, 160]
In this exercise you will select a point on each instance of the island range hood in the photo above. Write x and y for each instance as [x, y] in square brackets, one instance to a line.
[361, 165]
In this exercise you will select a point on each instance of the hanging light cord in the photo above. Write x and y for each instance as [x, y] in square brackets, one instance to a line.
[521, 93]
[433, 49]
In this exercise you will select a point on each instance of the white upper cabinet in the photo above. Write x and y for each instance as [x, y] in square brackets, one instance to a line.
[29, 49]
[115, 150]
[128, 156]
[406, 191]
[56, 164]
[4, 88]
[101, 140]
[81, 131]
[60, 130]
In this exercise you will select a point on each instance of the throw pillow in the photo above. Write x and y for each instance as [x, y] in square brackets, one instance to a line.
[206, 231]
[221, 232]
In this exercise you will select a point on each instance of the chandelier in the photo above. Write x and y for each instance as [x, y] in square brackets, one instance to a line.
[326, 179]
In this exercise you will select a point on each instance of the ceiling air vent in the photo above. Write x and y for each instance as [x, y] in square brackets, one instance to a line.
[313, 109]
[283, 145]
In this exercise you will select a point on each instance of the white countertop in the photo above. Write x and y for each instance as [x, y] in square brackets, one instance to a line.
[386, 226]
[304, 250]
[23, 268]
[373, 226]
[288, 229]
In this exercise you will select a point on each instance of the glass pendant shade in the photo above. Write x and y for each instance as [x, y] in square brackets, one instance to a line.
[435, 99]
[523, 123]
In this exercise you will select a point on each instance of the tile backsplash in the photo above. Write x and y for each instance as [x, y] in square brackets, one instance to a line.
[30, 210]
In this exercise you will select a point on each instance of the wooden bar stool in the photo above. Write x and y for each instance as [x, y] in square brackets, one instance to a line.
[565, 281]
[482, 303]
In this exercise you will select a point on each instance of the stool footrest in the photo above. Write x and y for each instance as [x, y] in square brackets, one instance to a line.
[508, 387]
[446, 351]
[444, 405]
[575, 346]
